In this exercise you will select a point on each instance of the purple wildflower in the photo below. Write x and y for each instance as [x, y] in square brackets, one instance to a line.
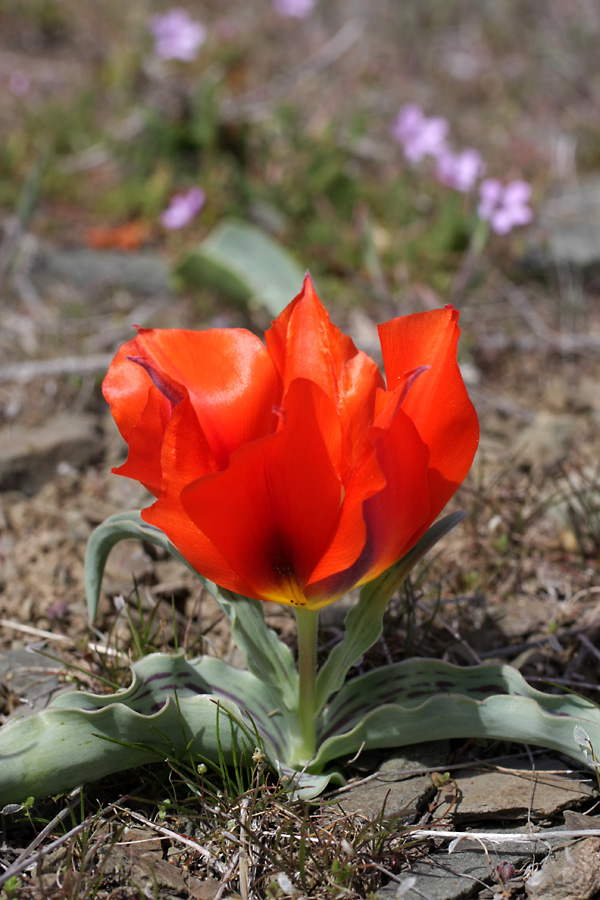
[176, 35]
[18, 83]
[297, 9]
[183, 208]
[419, 135]
[504, 206]
[460, 170]
[506, 871]
[58, 609]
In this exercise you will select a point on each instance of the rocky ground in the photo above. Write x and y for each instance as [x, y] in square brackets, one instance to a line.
[517, 582]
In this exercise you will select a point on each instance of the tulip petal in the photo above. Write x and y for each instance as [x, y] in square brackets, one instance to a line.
[185, 453]
[403, 508]
[273, 512]
[229, 376]
[303, 343]
[141, 413]
[437, 401]
[334, 576]
[394, 513]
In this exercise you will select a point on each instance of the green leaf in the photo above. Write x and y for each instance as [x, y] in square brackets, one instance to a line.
[420, 700]
[173, 707]
[83, 737]
[364, 622]
[304, 785]
[257, 701]
[121, 527]
[267, 657]
[243, 263]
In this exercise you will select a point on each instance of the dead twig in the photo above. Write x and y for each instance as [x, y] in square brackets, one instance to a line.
[498, 837]
[178, 838]
[28, 858]
[46, 368]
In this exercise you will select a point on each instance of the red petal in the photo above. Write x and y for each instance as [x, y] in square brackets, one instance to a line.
[403, 508]
[272, 514]
[437, 401]
[303, 343]
[393, 513]
[229, 376]
[185, 453]
[141, 413]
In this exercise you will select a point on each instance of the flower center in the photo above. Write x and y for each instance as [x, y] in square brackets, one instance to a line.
[288, 590]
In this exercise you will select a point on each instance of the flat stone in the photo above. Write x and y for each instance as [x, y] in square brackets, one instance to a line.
[32, 677]
[141, 273]
[393, 792]
[463, 873]
[495, 796]
[568, 227]
[467, 871]
[29, 457]
[570, 873]
[503, 795]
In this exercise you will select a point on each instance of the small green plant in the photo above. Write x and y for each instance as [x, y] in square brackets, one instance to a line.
[10, 888]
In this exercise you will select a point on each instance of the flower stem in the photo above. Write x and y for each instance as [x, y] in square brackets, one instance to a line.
[307, 621]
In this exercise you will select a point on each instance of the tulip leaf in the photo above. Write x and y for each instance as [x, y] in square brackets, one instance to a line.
[305, 785]
[258, 702]
[177, 707]
[120, 527]
[420, 700]
[266, 656]
[364, 622]
[242, 262]
[82, 737]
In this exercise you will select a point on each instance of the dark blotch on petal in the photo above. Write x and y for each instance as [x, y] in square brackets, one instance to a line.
[159, 381]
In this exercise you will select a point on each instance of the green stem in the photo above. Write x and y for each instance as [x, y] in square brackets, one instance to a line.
[307, 621]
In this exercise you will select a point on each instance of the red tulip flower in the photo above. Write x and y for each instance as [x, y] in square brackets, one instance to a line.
[293, 471]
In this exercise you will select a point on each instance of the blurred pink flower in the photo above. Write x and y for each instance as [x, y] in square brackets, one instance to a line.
[18, 82]
[419, 135]
[297, 9]
[504, 206]
[183, 208]
[176, 35]
[58, 609]
[460, 170]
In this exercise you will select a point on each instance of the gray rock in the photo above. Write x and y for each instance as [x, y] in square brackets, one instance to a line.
[571, 873]
[141, 273]
[568, 229]
[29, 456]
[466, 872]
[393, 791]
[32, 677]
[469, 870]
[502, 795]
